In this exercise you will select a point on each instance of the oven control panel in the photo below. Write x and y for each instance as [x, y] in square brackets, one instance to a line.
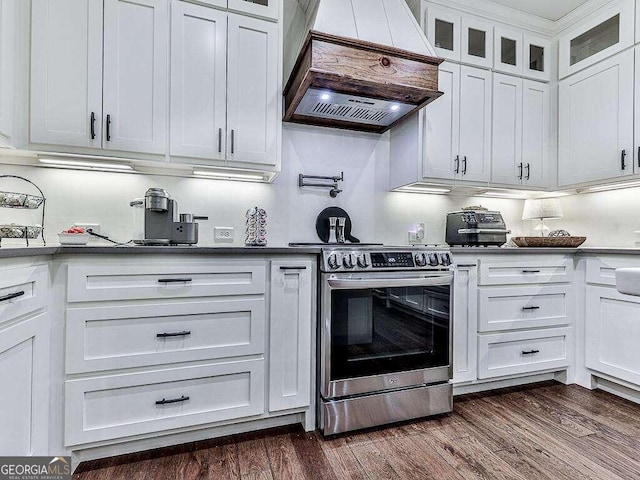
[336, 260]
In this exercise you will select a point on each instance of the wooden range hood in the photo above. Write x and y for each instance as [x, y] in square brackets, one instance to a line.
[357, 85]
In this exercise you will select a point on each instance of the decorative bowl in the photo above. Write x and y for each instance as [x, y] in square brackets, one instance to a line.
[560, 242]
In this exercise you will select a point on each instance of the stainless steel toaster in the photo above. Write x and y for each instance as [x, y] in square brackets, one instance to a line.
[476, 228]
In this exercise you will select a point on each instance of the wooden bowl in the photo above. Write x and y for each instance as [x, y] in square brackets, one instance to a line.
[560, 242]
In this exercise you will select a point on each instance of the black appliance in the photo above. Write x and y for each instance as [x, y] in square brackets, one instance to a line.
[476, 228]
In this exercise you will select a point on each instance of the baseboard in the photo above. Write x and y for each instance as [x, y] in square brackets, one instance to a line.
[504, 383]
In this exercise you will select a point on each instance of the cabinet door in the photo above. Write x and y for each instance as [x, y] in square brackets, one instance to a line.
[636, 151]
[259, 8]
[612, 333]
[7, 70]
[475, 124]
[603, 35]
[66, 72]
[443, 32]
[477, 42]
[507, 165]
[136, 41]
[535, 133]
[253, 93]
[596, 122]
[442, 124]
[508, 51]
[465, 324]
[290, 342]
[537, 58]
[198, 81]
[24, 365]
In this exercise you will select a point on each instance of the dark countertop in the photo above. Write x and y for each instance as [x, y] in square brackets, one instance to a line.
[514, 250]
[12, 252]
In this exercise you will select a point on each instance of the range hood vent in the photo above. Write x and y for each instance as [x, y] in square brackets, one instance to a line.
[348, 82]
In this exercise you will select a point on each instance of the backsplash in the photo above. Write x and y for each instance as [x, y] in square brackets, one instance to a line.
[378, 215]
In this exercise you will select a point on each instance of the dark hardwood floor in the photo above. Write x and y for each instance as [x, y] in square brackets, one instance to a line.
[543, 431]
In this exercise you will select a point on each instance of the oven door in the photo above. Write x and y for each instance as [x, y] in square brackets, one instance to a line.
[384, 331]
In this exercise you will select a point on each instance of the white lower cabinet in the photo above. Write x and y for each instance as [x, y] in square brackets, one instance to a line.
[116, 406]
[465, 324]
[516, 353]
[290, 339]
[613, 333]
[24, 396]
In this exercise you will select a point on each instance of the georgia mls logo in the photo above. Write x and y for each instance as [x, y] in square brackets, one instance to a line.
[35, 468]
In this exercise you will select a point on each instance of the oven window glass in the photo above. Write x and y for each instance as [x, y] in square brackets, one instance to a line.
[377, 331]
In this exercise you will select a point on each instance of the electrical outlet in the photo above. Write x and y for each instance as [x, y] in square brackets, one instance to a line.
[412, 238]
[223, 234]
[95, 227]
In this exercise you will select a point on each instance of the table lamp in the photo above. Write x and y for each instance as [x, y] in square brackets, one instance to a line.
[540, 209]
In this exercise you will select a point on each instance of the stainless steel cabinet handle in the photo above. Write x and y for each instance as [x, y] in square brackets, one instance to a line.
[464, 165]
[520, 171]
[174, 280]
[293, 268]
[530, 271]
[531, 308]
[622, 159]
[466, 265]
[173, 400]
[11, 296]
[530, 352]
[528, 171]
[93, 125]
[219, 140]
[457, 160]
[108, 128]
[233, 143]
[173, 334]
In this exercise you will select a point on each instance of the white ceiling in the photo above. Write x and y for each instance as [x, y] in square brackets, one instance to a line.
[549, 9]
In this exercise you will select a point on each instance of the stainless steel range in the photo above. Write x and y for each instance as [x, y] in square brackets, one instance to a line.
[385, 340]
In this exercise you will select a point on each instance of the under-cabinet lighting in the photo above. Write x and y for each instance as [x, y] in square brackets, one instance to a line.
[85, 164]
[515, 196]
[612, 186]
[424, 189]
[229, 175]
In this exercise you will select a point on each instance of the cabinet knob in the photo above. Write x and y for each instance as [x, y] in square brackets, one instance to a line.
[385, 62]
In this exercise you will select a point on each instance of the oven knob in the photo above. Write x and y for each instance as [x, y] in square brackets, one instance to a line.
[445, 259]
[433, 260]
[332, 261]
[347, 261]
[421, 259]
[362, 261]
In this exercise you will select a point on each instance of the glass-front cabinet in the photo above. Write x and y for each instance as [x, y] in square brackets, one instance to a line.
[537, 57]
[508, 51]
[258, 8]
[461, 38]
[606, 34]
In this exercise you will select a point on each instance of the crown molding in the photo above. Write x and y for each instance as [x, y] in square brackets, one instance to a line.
[580, 13]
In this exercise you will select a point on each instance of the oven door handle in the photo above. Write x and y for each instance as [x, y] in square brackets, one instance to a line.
[363, 283]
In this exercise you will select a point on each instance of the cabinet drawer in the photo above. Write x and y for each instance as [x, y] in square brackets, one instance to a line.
[524, 307]
[23, 290]
[105, 408]
[88, 283]
[523, 352]
[522, 273]
[602, 271]
[139, 335]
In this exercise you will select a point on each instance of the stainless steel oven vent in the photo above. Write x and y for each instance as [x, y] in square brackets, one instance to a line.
[325, 104]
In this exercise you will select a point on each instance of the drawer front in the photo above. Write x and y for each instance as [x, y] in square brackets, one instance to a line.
[524, 307]
[517, 353]
[602, 271]
[22, 291]
[90, 283]
[105, 408]
[128, 336]
[524, 273]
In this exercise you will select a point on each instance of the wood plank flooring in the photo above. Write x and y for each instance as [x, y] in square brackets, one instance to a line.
[542, 431]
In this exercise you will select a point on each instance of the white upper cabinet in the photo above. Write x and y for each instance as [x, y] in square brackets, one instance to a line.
[604, 34]
[521, 130]
[475, 125]
[66, 73]
[442, 125]
[136, 44]
[508, 50]
[596, 122]
[7, 70]
[253, 95]
[458, 37]
[507, 165]
[259, 8]
[537, 57]
[198, 81]
[636, 151]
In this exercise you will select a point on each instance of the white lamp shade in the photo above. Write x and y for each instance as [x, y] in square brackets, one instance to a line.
[541, 208]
